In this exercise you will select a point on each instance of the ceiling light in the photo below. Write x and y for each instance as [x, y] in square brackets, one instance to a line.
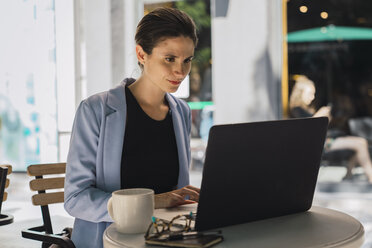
[324, 15]
[303, 9]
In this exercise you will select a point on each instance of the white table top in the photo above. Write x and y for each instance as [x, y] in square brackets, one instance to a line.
[318, 227]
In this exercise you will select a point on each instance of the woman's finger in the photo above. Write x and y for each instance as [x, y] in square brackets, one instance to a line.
[176, 197]
[175, 200]
[188, 202]
[188, 192]
[185, 202]
[193, 188]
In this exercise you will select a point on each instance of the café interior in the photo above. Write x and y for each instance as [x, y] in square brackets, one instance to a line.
[250, 58]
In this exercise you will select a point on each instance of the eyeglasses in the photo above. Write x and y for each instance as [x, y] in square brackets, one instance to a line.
[163, 229]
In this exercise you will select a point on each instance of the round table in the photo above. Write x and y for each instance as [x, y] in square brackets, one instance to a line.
[318, 227]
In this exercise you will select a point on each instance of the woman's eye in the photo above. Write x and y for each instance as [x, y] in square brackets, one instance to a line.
[169, 59]
[188, 60]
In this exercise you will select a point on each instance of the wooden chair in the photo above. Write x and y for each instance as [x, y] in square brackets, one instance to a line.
[44, 233]
[4, 183]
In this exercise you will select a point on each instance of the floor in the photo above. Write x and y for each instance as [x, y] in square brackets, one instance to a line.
[352, 197]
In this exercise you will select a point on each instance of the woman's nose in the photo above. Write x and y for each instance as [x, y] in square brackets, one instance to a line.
[179, 70]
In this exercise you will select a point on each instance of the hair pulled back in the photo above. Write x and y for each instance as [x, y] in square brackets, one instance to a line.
[163, 23]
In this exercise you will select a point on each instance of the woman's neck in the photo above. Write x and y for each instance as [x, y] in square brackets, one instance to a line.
[146, 93]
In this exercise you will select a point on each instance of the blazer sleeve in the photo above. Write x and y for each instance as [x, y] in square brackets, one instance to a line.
[189, 122]
[83, 199]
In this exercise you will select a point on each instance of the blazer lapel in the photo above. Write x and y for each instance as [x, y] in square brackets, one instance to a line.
[114, 136]
[183, 177]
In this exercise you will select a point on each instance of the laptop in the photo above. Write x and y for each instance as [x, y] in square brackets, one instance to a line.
[259, 170]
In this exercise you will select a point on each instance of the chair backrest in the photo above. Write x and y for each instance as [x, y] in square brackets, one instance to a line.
[55, 181]
[5, 170]
[6, 185]
[41, 184]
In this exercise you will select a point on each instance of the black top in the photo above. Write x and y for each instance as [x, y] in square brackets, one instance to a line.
[150, 155]
[299, 112]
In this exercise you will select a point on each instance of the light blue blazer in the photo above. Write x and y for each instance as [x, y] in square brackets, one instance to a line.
[94, 159]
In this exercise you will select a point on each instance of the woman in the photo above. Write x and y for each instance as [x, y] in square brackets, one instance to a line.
[302, 95]
[137, 134]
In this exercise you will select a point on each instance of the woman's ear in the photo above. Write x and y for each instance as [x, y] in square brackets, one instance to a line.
[140, 54]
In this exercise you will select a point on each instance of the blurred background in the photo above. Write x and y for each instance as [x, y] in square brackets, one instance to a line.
[56, 53]
[250, 56]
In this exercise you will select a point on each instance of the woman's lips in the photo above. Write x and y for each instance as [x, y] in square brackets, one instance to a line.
[174, 82]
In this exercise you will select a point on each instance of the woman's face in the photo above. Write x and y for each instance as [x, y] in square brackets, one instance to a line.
[169, 63]
[308, 94]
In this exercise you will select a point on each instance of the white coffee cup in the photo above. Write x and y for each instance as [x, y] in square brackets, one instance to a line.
[131, 209]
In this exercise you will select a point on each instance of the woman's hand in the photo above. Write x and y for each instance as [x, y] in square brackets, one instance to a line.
[324, 111]
[177, 197]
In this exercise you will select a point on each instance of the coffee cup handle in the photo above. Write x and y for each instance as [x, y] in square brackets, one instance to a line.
[109, 208]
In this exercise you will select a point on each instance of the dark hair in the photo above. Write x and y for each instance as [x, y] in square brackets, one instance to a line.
[163, 23]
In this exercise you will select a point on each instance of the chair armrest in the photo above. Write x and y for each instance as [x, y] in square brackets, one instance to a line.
[48, 238]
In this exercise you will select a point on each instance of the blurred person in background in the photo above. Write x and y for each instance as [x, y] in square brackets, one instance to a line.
[302, 95]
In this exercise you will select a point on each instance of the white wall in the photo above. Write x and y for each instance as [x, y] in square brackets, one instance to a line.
[246, 61]
[133, 13]
[107, 46]
[95, 46]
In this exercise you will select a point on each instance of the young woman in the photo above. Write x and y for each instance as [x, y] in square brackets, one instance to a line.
[137, 134]
[302, 95]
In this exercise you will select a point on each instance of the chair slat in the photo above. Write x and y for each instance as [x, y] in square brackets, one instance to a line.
[47, 183]
[7, 183]
[8, 166]
[5, 196]
[46, 169]
[47, 198]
